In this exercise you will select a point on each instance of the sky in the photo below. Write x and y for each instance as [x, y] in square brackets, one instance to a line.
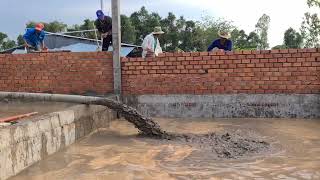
[14, 14]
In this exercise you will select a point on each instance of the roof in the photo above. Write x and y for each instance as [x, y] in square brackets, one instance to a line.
[61, 42]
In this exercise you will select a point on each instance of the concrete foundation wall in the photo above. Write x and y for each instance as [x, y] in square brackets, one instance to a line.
[32, 140]
[228, 106]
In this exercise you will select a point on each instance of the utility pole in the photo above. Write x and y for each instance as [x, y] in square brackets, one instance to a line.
[116, 44]
[102, 5]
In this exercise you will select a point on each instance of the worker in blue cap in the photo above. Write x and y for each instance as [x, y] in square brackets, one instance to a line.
[104, 26]
[34, 38]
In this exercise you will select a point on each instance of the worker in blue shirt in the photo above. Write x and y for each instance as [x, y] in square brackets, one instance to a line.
[34, 38]
[223, 42]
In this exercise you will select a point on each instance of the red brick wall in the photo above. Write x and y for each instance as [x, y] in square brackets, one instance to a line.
[276, 71]
[74, 73]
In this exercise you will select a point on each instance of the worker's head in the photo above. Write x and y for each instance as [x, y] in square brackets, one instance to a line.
[100, 14]
[157, 31]
[39, 27]
[224, 36]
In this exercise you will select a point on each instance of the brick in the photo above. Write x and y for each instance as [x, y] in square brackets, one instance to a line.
[259, 65]
[241, 65]
[310, 59]
[194, 62]
[176, 71]
[287, 64]
[186, 54]
[144, 72]
[286, 55]
[181, 58]
[223, 66]
[197, 66]
[250, 65]
[160, 63]
[195, 54]
[206, 58]
[293, 50]
[297, 64]
[152, 71]
[189, 58]
[202, 62]
[277, 55]
[245, 61]
[180, 67]
[232, 66]
[291, 60]
[282, 60]
[185, 63]
[204, 53]
[177, 54]
[136, 63]
[139, 67]
[189, 67]
[259, 56]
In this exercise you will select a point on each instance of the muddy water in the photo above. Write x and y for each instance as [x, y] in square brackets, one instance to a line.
[17, 108]
[119, 154]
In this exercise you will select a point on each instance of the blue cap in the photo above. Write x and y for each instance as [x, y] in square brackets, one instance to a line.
[100, 14]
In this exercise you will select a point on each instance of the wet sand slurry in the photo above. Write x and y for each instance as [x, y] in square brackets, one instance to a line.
[227, 145]
[119, 153]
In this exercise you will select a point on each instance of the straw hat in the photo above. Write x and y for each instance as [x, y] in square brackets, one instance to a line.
[224, 34]
[157, 30]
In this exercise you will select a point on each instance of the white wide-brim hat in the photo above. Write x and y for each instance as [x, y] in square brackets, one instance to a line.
[157, 30]
[224, 34]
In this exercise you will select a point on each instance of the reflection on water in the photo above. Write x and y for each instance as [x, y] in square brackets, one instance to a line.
[119, 154]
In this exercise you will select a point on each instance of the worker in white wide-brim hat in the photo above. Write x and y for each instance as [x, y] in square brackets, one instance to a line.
[151, 45]
[223, 42]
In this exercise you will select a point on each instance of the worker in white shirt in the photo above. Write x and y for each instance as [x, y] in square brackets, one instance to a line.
[151, 45]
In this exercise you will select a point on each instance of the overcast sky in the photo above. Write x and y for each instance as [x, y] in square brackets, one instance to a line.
[14, 14]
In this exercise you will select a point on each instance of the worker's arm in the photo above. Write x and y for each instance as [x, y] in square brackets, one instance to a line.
[229, 46]
[42, 35]
[26, 43]
[212, 45]
[25, 37]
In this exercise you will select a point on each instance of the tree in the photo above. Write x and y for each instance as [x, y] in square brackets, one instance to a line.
[292, 39]
[313, 3]
[20, 40]
[128, 31]
[310, 27]
[144, 23]
[5, 42]
[262, 28]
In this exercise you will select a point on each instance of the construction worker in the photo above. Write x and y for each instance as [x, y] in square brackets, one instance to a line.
[222, 43]
[151, 45]
[104, 26]
[34, 38]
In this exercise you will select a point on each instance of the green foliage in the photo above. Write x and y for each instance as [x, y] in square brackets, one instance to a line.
[292, 39]
[242, 41]
[313, 3]
[262, 28]
[5, 42]
[20, 40]
[310, 27]
[128, 31]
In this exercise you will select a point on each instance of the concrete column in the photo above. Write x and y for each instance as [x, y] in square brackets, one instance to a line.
[116, 39]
